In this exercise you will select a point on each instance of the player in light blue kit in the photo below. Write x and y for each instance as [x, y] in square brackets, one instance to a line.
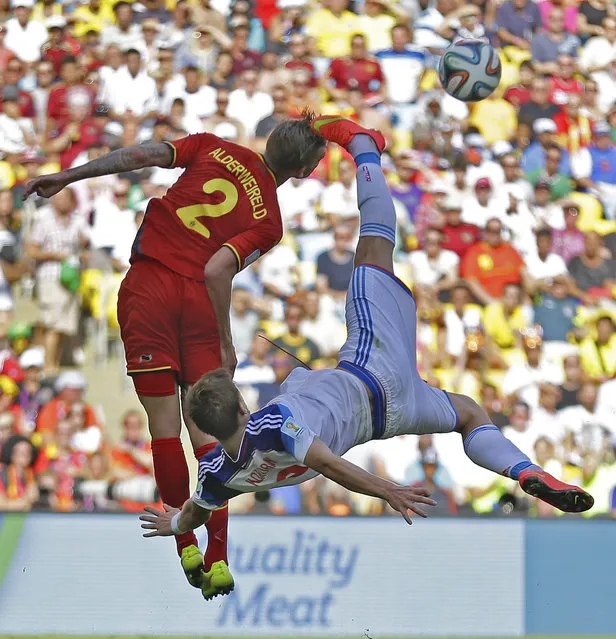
[374, 393]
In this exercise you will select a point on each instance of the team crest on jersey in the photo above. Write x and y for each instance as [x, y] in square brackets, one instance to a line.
[291, 429]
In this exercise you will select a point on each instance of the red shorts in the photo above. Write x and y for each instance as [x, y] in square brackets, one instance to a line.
[167, 323]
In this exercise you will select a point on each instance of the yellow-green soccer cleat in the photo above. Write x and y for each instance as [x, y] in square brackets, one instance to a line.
[192, 564]
[218, 581]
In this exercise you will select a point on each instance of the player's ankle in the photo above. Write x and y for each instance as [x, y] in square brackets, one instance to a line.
[362, 143]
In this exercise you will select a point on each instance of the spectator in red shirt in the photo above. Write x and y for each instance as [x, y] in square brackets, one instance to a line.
[13, 73]
[300, 58]
[58, 103]
[78, 134]
[59, 45]
[573, 130]
[356, 71]
[243, 57]
[133, 454]
[491, 264]
[5, 54]
[563, 83]
[458, 236]
[519, 94]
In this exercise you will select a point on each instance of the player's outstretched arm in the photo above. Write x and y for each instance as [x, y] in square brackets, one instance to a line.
[401, 498]
[129, 159]
[173, 521]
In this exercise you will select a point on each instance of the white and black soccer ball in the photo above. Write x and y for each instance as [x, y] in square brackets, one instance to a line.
[470, 70]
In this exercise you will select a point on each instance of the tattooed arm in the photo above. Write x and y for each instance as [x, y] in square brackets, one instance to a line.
[129, 159]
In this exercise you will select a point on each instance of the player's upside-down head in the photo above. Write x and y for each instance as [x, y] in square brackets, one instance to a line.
[215, 405]
[293, 149]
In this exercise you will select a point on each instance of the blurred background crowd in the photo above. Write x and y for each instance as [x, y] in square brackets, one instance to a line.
[506, 211]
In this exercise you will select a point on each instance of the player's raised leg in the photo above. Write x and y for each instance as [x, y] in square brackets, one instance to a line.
[486, 446]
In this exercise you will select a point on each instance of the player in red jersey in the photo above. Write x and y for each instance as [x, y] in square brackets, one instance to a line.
[173, 306]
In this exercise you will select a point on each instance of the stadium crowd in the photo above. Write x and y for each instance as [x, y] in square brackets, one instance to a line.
[506, 209]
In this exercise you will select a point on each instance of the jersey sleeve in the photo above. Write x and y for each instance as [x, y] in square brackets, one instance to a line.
[185, 150]
[203, 495]
[296, 439]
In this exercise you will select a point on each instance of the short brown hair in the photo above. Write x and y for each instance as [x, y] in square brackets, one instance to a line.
[214, 403]
[292, 144]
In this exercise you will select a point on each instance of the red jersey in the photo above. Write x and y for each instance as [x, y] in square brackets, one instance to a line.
[365, 74]
[89, 134]
[460, 238]
[517, 95]
[306, 65]
[57, 105]
[560, 89]
[226, 197]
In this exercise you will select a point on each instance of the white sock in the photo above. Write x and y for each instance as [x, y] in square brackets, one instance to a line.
[487, 447]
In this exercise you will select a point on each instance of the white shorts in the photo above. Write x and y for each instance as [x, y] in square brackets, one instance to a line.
[381, 319]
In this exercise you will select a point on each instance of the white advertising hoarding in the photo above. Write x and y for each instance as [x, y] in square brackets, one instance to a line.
[95, 574]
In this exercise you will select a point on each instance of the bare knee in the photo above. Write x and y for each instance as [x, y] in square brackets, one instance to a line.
[470, 414]
[163, 415]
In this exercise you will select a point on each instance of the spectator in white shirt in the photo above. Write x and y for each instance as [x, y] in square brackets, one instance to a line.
[321, 324]
[522, 380]
[518, 430]
[246, 312]
[278, 271]
[248, 105]
[546, 421]
[479, 163]
[434, 267]
[460, 318]
[16, 133]
[126, 33]
[24, 36]
[600, 50]
[298, 201]
[544, 211]
[482, 205]
[606, 83]
[339, 199]
[199, 98]
[542, 265]
[132, 94]
[586, 428]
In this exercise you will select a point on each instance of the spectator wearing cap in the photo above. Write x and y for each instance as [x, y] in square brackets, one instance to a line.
[560, 184]
[331, 26]
[57, 236]
[601, 49]
[594, 275]
[594, 168]
[573, 129]
[70, 386]
[126, 32]
[24, 36]
[132, 94]
[433, 266]
[406, 60]
[16, 132]
[429, 473]
[199, 98]
[478, 208]
[491, 264]
[33, 393]
[606, 81]
[220, 121]
[568, 239]
[458, 236]
[249, 105]
[357, 70]
[517, 22]
[542, 264]
[554, 41]
[534, 156]
[539, 105]
[59, 45]
[520, 94]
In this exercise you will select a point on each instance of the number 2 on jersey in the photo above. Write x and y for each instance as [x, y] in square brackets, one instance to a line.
[189, 214]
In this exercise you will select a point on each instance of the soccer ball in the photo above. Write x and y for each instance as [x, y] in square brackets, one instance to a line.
[470, 70]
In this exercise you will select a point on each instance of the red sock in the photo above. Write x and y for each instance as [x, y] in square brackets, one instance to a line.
[172, 479]
[216, 526]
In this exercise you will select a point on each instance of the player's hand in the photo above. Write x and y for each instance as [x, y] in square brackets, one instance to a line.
[158, 521]
[46, 185]
[228, 357]
[405, 498]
